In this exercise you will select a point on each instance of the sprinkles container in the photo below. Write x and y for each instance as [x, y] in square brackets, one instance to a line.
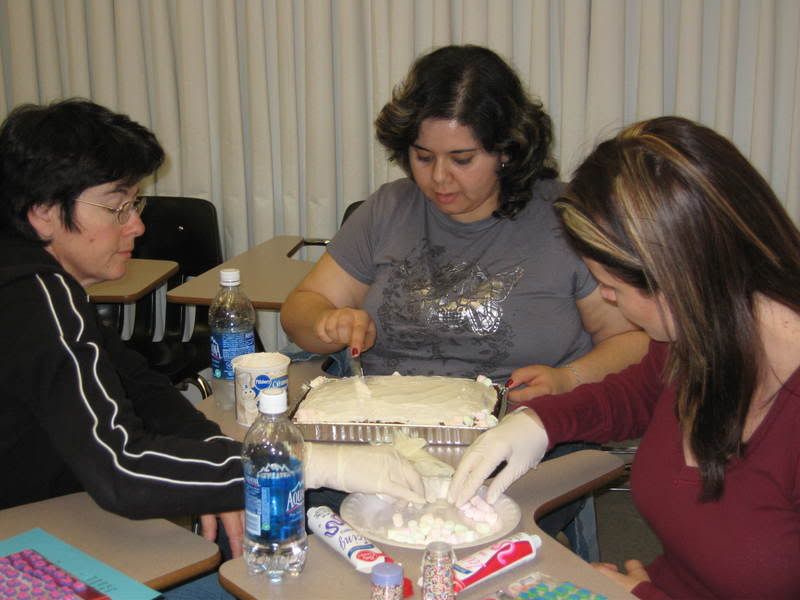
[387, 582]
[437, 572]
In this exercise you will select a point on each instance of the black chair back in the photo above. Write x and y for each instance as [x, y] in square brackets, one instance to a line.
[184, 230]
[351, 208]
[181, 229]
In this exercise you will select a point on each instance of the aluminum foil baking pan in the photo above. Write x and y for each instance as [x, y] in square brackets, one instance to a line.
[445, 435]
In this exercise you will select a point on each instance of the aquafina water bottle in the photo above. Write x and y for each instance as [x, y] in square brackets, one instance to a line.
[272, 457]
[232, 320]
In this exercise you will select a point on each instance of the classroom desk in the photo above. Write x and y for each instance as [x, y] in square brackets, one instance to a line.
[155, 552]
[268, 275]
[143, 276]
[328, 575]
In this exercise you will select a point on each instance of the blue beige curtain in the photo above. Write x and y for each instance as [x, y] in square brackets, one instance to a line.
[265, 107]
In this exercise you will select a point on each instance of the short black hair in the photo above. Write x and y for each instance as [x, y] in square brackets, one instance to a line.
[50, 154]
[480, 90]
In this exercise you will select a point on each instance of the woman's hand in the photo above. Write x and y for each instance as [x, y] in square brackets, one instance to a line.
[349, 326]
[363, 468]
[539, 380]
[636, 573]
[519, 439]
[323, 314]
[232, 521]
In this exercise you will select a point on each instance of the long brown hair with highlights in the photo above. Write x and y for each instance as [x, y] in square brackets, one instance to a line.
[671, 206]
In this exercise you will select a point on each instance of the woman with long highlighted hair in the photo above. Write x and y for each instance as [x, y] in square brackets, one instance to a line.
[692, 245]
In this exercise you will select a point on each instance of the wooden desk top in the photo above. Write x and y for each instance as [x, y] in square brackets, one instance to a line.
[155, 552]
[143, 276]
[328, 575]
[268, 275]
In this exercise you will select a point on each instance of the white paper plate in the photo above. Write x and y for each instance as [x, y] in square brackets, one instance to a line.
[371, 515]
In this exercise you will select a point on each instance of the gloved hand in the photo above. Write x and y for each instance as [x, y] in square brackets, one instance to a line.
[425, 464]
[361, 468]
[519, 439]
[436, 474]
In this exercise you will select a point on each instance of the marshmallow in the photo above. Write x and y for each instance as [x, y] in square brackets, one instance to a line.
[429, 527]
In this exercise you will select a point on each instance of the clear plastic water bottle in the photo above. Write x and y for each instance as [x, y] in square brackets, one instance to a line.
[232, 320]
[272, 456]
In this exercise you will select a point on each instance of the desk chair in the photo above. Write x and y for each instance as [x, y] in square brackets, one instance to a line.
[110, 315]
[184, 230]
[324, 241]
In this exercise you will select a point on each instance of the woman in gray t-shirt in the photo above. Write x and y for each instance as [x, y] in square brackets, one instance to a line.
[461, 269]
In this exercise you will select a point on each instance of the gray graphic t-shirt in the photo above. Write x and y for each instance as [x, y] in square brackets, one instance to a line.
[463, 299]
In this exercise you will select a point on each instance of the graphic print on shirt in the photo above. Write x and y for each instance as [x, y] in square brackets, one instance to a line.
[431, 303]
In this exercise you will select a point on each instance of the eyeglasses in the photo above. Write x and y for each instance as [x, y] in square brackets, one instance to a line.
[123, 213]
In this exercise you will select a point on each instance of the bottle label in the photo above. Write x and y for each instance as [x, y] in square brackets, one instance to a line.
[225, 347]
[274, 501]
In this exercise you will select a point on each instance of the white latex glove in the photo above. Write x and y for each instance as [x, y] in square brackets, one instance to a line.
[519, 439]
[363, 468]
[436, 474]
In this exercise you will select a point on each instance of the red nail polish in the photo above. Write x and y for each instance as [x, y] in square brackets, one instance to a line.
[509, 383]
[354, 352]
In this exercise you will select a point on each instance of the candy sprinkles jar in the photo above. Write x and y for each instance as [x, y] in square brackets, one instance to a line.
[387, 582]
[437, 572]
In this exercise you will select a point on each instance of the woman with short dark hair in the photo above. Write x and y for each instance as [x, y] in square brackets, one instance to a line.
[80, 410]
[51, 154]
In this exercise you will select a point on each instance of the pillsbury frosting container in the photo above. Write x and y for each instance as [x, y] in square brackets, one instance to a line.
[254, 373]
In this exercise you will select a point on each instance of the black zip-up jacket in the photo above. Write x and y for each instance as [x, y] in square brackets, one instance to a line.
[81, 411]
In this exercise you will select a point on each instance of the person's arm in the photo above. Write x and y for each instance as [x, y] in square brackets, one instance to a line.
[161, 407]
[363, 468]
[618, 408]
[323, 313]
[617, 344]
[78, 399]
[165, 411]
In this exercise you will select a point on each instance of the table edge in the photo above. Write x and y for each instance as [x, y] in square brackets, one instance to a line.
[128, 298]
[186, 573]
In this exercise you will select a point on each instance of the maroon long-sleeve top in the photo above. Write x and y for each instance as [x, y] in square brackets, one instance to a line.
[747, 544]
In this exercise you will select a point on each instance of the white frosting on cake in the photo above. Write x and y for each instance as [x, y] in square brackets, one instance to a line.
[409, 400]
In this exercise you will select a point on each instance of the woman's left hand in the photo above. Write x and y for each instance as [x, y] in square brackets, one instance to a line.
[636, 573]
[539, 380]
[232, 521]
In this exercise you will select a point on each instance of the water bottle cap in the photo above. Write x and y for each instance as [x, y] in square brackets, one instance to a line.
[387, 574]
[273, 403]
[228, 277]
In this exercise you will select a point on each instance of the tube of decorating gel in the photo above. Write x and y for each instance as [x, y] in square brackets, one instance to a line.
[332, 530]
[495, 559]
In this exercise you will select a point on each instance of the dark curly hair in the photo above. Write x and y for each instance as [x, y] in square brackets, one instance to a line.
[477, 88]
[50, 154]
